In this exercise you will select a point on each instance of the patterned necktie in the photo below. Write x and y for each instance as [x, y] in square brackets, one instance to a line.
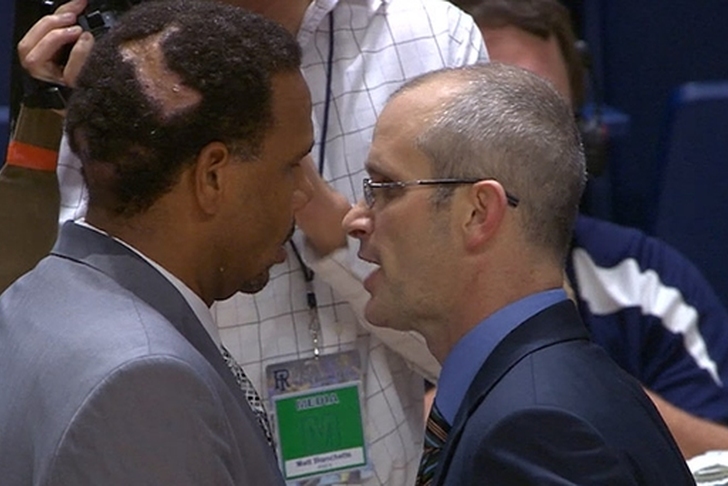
[435, 435]
[251, 395]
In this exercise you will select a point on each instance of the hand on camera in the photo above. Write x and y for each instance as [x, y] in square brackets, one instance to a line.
[42, 48]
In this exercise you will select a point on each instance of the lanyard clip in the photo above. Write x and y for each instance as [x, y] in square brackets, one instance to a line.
[314, 325]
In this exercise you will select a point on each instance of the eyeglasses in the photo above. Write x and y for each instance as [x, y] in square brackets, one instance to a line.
[369, 187]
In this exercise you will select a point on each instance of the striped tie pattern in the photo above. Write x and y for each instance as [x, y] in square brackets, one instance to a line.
[435, 435]
[251, 394]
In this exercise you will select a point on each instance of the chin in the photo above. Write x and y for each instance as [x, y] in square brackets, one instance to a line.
[390, 317]
[256, 284]
[373, 315]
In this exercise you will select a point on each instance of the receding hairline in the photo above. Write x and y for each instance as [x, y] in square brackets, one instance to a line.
[452, 80]
[445, 86]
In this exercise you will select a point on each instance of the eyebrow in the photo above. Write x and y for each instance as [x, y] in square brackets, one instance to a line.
[373, 168]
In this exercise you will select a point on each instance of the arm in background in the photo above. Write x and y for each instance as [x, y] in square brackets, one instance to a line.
[29, 194]
[694, 435]
[29, 197]
[659, 319]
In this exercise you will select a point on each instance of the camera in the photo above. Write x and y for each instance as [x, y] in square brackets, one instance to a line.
[99, 15]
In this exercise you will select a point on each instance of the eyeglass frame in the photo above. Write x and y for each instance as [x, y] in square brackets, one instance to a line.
[369, 187]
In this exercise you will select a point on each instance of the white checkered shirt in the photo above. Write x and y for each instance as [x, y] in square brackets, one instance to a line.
[378, 44]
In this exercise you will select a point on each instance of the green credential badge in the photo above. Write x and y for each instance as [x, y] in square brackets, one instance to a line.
[318, 416]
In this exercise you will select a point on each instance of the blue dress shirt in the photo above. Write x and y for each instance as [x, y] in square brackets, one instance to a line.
[471, 351]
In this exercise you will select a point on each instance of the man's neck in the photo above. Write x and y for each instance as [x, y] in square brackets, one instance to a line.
[149, 235]
[496, 290]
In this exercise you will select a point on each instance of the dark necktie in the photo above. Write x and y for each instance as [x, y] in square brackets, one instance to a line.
[435, 435]
[251, 395]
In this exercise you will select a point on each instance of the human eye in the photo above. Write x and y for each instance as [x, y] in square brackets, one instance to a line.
[387, 190]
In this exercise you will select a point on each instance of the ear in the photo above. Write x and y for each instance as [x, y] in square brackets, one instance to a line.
[488, 206]
[210, 176]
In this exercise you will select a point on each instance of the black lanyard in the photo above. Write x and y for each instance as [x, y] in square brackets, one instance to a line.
[308, 274]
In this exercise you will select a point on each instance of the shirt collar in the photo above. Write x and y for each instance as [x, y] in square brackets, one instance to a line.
[317, 11]
[198, 306]
[470, 352]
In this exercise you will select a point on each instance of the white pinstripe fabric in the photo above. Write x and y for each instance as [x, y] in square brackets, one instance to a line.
[378, 45]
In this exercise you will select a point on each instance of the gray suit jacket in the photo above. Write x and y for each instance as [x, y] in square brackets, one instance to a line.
[108, 378]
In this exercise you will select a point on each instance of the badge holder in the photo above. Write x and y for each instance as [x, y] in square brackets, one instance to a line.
[317, 409]
[318, 415]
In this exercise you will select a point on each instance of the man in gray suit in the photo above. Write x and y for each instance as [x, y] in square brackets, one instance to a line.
[110, 367]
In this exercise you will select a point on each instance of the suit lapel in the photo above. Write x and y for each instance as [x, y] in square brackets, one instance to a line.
[125, 267]
[555, 324]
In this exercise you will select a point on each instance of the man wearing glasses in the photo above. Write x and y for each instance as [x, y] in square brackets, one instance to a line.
[370, 186]
[475, 180]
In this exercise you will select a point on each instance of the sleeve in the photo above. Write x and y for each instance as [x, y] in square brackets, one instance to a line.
[656, 315]
[336, 272]
[466, 45]
[544, 447]
[29, 196]
[28, 212]
[691, 372]
[152, 421]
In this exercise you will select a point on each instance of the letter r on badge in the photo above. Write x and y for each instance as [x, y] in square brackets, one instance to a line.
[281, 378]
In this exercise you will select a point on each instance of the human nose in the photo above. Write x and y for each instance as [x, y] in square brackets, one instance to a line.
[358, 222]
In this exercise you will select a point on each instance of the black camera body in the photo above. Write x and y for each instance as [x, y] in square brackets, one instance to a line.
[99, 15]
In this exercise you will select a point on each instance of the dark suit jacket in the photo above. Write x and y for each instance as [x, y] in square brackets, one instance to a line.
[550, 407]
[108, 377]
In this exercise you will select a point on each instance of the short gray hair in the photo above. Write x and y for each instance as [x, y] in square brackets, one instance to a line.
[508, 124]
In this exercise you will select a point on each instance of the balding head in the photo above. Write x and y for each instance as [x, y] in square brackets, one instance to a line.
[169, 79]
[502, 122]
